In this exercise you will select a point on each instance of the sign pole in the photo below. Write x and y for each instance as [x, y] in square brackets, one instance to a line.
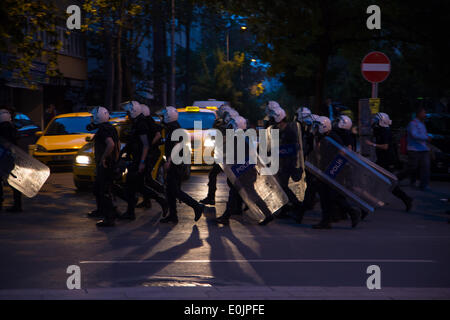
[374, 89]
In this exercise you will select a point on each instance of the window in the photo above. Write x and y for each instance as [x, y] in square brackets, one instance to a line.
[69, 125]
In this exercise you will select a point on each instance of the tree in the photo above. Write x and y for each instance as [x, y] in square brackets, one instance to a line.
[300, 37]
[23, 26]
[112, 19]
[220, 82]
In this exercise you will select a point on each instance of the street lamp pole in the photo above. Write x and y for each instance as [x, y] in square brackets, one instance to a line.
[228, 45]
[172, 54]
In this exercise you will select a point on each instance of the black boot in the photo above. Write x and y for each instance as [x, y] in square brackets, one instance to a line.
[266, 221]
[399, 193]
[94, 214]
[146, 203]
[164, 206]
[223, 219]
[408, 203]
[364, 214]
[106, 223]
[199, 211]
[354, 216]
[208, 200]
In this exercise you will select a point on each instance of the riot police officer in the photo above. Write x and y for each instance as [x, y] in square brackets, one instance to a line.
[174, 172]
[219, 124]
[342, 126]
[288, 152]
[235, 202]
[137, 148]
[306, 119]
[8, 135]
[385, 153]
[329, 198]
[154, 138]
[106, 150]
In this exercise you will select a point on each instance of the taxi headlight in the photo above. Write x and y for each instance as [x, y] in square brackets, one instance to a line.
[209, 142]
[82, 160]
[40, 148]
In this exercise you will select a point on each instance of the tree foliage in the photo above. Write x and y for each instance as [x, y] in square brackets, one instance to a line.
[22, 29]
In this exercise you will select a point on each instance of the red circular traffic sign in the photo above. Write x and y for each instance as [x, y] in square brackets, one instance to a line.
[375, 67]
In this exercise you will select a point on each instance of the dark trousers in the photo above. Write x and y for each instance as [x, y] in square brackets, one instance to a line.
[17, 196]
[212, 180]
[174, 192]
[326, 201]
[234, 203]
[283, 178]
[310, 192]
[135, 183]
[419, 165]
[102, 192]
[397, 191]
[149, 181]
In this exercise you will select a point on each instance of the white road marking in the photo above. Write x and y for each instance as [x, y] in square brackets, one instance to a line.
[262, 261]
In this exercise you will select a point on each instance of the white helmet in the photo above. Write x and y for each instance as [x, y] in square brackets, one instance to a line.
[303, 114]
[382, 119]
[5, 115]
[170, 114]
[344, 122]
[145, 110]
[100, 115]
[134, 108]
[238, 122]
[222, 109]
[277, 114]
[323, 124]
[229, 114]
[271, 105]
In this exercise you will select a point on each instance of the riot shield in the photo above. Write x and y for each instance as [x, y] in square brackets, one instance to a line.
[344, 170]
[27, 174]
[298, 187]
[262, 193]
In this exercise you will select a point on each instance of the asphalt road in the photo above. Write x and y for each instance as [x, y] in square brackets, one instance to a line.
[37, 246]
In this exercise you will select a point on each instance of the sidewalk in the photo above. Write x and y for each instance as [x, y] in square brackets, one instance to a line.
[230, 293]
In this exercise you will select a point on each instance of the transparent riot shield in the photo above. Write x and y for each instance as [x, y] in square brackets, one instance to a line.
[262, 193]
[299, 186]
[347, 173]
[27, 174]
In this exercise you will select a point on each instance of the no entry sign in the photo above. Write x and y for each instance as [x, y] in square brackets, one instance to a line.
[375, 67]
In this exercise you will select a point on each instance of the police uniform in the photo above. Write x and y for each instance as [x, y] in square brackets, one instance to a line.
[8, 132]
[330, 199]
[152, 157]
[135, 181]
[288, 162]
[311, 181]
[173, 181]
[213, 173]
[104, 175]
[386, 159]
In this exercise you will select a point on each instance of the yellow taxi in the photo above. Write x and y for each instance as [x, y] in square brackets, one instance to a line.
[206, 115]
[59, 143]
[84, 164]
